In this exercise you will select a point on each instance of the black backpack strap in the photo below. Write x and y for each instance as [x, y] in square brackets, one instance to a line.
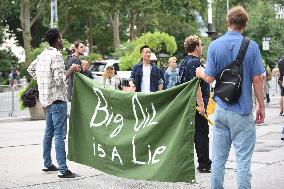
[242, 51]
[182, 68]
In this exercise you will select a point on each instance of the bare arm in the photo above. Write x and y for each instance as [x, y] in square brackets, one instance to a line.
[201, 74]
[258, 89]
[200, 101]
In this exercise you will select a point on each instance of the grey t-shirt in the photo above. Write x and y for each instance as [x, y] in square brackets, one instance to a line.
[69, 61]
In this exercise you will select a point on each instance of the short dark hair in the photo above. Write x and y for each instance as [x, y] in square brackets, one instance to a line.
[51, 36]
[77, 43]
[144, 47]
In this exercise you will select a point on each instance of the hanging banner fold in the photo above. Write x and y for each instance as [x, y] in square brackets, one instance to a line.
[134, 135]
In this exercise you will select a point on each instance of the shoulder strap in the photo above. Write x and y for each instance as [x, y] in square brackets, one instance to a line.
[183, 67]
[242, 51]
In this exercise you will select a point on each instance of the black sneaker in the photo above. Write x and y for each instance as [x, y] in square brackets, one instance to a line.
[50, 168]
[281, 113]
[67, 174]
[204, 169]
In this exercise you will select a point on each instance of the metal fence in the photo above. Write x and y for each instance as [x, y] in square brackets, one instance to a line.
[9, 101]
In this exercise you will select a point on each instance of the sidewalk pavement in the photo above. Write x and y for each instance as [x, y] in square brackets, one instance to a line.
[21, 160]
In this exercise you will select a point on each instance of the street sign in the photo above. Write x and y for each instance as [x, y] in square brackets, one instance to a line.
[265, 45]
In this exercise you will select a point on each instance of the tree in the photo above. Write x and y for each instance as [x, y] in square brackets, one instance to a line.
[155, 41]
[30, 12]
[7, 60]
[261, 24]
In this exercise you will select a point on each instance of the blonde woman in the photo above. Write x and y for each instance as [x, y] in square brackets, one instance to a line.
[171, 73]
[110, 79]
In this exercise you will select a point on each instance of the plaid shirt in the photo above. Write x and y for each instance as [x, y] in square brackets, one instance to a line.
[48, 70]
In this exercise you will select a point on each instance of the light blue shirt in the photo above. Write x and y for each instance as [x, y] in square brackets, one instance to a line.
[171, 77]
[222, 52]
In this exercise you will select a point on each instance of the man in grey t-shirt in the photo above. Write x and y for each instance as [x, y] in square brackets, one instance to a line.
[74, 59]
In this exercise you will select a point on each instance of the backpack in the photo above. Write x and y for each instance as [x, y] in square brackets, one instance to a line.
[229, 81]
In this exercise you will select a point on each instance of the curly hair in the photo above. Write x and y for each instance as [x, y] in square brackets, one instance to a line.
[108, 73]
[191, 42]
[238, 16]
[51, 36]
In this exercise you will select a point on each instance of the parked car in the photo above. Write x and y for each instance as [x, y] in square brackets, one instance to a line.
[97, 68]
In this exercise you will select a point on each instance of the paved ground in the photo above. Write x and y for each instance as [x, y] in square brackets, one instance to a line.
[21, 161]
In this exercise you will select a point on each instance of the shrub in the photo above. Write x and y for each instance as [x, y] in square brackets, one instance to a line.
[157, 41]
[28, 95]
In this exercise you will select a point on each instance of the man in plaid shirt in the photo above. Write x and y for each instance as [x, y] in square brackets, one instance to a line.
[48, 70]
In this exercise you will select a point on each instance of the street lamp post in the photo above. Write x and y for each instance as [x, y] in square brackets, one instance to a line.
[53, 14]
[210, 31]
[228, 6]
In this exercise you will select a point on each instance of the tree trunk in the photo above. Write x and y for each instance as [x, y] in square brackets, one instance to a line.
[26, 25]
[132, 23]
[90, 33]
[115, 25]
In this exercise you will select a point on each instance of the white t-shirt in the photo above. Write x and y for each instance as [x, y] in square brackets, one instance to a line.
[145, 85]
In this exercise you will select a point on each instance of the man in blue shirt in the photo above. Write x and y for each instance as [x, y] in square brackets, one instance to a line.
[234, 123]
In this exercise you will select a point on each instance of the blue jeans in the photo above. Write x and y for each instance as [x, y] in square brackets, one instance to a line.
[56, 126]
[232, 128]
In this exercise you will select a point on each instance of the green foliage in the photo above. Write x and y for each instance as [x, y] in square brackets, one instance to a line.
[261, 24]
[93, 56]
[156, 41]
[35, 52]
[1, 34]
[124, 48]
[31, 85]
[8, 60]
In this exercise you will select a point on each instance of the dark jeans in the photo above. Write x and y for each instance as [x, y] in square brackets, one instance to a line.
[201, 141]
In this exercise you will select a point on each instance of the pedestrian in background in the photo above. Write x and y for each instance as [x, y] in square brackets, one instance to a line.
[171, 73]
[234, 123]
[110, 79]
[85, 69]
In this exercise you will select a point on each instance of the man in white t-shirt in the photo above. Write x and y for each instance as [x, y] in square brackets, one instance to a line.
[145, 76]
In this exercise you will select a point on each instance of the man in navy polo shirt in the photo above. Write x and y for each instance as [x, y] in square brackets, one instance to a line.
[234, 123]
[145, 76]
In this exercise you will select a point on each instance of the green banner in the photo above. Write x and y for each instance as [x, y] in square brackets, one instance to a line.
[134, 135]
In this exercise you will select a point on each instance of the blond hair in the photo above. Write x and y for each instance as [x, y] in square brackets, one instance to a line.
[108, 73]
[171, 59]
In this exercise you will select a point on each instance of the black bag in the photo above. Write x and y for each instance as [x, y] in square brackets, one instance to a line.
[229, 82]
